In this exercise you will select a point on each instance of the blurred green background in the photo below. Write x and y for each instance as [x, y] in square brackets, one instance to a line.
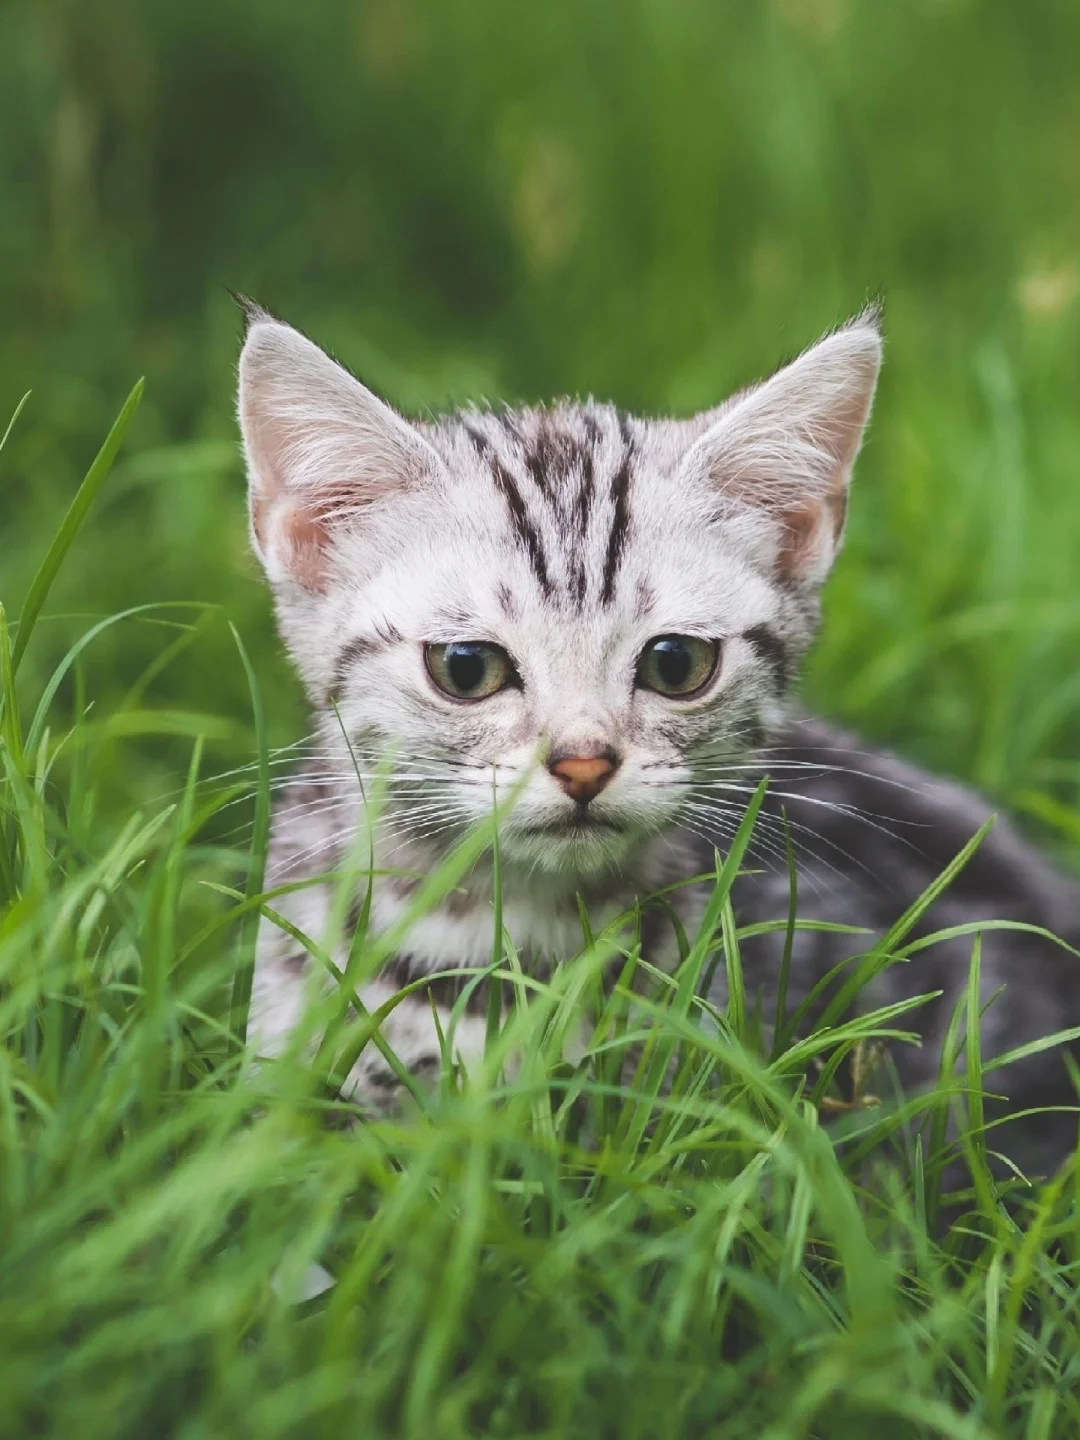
[650, 200]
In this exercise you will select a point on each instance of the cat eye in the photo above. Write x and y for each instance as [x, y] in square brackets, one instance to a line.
[469, 669]
[677, 665]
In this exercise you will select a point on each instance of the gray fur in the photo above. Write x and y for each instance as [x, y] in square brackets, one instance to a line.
[571, 536]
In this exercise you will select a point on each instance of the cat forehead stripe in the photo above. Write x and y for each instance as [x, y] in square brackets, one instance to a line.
[620, 516]
[544, 464]
[527, 532]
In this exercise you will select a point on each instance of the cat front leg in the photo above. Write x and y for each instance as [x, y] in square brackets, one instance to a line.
[411, 1033]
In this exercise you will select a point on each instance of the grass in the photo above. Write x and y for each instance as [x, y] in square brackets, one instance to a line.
[580, 1250]
[480, 200]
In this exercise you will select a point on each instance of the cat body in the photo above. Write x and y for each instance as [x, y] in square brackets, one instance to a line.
[602, 617]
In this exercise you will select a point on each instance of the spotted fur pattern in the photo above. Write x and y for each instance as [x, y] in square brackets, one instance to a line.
[570, 536]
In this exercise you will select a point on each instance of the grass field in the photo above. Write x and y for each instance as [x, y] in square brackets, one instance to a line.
[463, 199]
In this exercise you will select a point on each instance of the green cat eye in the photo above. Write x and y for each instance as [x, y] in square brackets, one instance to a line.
[678, 665]
[469, 669]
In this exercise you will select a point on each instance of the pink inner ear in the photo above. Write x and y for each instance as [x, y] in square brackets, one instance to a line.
[321, 449]
[308, 539]
[803, 529]
[300, 537]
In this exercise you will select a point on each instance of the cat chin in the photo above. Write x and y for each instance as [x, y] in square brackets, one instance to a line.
[568, 851]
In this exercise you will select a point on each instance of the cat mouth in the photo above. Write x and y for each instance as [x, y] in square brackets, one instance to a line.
[581, 823]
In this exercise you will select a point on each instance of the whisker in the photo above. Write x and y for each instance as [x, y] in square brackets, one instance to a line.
[770, 824]
[759, 839]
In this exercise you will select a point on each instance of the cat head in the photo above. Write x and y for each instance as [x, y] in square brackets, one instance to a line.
[602, 611]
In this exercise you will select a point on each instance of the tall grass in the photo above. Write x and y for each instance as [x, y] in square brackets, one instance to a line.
[686, 1231]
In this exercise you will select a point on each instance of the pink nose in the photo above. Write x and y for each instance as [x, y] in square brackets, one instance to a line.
[583, 777]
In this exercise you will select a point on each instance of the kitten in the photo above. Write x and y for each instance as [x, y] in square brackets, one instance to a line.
[608, 613]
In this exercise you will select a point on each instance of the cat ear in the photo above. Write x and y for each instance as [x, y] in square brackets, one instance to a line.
[787, 447]
[320, 448]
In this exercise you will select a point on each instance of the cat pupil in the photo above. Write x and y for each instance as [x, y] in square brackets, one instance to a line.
[673, 662]
[467, 665]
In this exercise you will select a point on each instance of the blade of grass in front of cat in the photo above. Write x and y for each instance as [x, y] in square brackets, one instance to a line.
[260, 839]
[365, 1025]
[657, 1053]
[1021, 1280]
[884, 952]
[946, 1088]
[780, 1027]
[494, 993]
[973, 1134]
[866, 1273]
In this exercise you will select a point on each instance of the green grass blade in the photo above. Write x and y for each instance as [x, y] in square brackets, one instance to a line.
[493, 1018]
[260, 841]
[780, 1026]
[11, 728]
[11, 423]
[884, 952]
[72, 523]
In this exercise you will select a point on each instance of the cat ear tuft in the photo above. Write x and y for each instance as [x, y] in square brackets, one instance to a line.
[320, 449]
[250, 310]
[787, 447]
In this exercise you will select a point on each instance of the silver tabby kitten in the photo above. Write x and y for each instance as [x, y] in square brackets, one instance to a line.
[607, 612]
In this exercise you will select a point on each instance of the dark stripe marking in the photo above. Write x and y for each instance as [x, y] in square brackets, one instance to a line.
[580, 524]
[593, 430]
[445, 990]
[540, 460]
[583, 504]
[525, 530]
[481, 444]
[620, 526]
[509, 422]
[645, 599]
[772, 651]
[360, 647]
[505, 598]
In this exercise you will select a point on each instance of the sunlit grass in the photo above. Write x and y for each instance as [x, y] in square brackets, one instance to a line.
[683, 1231]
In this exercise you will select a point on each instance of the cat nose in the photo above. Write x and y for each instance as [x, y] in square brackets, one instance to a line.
[584, 776]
